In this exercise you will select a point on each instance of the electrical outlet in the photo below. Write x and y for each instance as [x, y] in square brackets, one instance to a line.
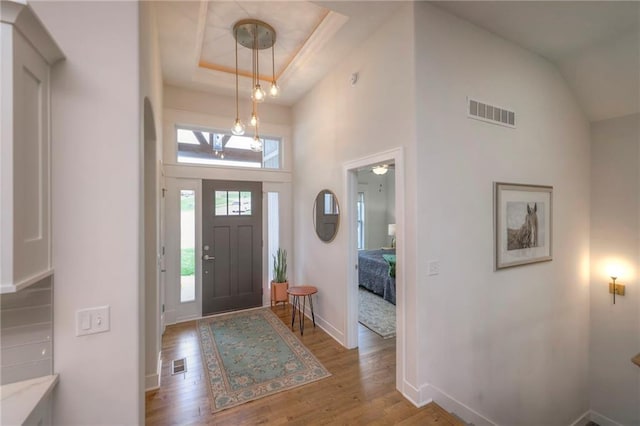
[93, 320]
[433, 267]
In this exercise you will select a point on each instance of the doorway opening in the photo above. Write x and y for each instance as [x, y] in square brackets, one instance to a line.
[376, 222]
[231, 245]
[379, 238]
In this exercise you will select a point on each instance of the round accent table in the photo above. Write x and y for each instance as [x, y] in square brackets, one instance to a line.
[295, 293]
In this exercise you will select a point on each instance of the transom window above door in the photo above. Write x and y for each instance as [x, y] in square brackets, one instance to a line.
[221, 148]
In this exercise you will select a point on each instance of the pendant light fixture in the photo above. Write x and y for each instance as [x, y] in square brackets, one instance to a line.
[238, 125]
[380, 169]
[253, 120]
[256, 143]
[255, 35]
[274, 91]
[257, 93]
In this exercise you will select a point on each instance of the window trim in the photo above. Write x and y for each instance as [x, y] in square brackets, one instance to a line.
[280, 153]
[229, 213]
[360, 219]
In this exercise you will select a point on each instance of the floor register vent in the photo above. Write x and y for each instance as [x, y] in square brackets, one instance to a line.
[490, 113]
[179, 366]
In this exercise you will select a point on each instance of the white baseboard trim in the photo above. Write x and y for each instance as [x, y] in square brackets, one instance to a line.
[413, 394]
[325, 325]
[449, 403]
[328, 328]
[602, 420]
[170, 316]
[152, 381]
[583, 419]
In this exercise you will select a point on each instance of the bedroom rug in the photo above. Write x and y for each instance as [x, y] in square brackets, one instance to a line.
[377, 314]
[251, 354]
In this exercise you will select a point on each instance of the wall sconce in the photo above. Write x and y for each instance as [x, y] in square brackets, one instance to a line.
[615, 288]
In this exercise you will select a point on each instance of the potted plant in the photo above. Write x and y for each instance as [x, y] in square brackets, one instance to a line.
[279, 285]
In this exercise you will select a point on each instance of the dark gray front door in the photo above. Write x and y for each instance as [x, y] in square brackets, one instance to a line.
[231, 245]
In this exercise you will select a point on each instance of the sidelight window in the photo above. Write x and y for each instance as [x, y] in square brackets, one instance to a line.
[187, 246]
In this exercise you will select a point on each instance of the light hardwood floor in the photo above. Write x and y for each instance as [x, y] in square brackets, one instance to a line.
[361, 389]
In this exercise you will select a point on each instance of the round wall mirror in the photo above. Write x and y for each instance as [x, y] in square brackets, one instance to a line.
[326, 215]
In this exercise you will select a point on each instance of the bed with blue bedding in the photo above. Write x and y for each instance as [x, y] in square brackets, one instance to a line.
[377, 274]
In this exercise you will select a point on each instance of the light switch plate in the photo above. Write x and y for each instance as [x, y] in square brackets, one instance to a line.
[93, 320]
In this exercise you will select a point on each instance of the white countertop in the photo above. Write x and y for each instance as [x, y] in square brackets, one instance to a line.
[17, 400]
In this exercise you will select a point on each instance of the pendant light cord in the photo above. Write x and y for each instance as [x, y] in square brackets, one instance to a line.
[235, 35]
[255, 73]
[253, 58]
[256, 47]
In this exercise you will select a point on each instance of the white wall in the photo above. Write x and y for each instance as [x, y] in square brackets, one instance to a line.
[615, 232]
[335, 123]
[511, 345]
[379, 207]
[224, 106]
[96, 209]
[391, 199]
[618, 94]
[151, 128]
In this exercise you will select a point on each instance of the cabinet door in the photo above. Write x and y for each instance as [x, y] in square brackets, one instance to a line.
[41, 414]
[31, 165]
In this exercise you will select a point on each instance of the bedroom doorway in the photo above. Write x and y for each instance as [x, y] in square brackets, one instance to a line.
[374, 216]
[376, 224]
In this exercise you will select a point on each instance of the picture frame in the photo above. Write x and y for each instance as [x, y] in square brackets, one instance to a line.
[523, 228]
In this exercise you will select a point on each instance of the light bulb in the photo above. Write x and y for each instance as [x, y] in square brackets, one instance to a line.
[256, 144]
[238, 127]
[254, 119]
[274, 91]
[614, 270]
[380, 170]
[258, 94]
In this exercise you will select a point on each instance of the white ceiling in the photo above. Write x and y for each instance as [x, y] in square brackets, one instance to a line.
[197, 46]
[594, 44]
[295, 23]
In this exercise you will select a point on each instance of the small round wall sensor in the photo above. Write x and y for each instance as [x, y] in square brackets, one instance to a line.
[354, 78]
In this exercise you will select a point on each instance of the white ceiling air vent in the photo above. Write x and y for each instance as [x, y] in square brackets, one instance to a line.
[490, 113]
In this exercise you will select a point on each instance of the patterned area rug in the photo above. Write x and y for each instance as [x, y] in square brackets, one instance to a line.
[251, 354]
[377, 314]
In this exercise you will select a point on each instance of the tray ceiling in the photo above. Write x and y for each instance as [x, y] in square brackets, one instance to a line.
[198, 48]
[294, 22]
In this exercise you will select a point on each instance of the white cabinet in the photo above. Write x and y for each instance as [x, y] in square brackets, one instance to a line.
[28, 52]
[27, 402]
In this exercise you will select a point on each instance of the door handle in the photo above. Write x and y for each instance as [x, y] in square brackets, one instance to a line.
[207, 257]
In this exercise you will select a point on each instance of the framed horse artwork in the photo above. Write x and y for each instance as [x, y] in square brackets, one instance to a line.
[523, 228]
